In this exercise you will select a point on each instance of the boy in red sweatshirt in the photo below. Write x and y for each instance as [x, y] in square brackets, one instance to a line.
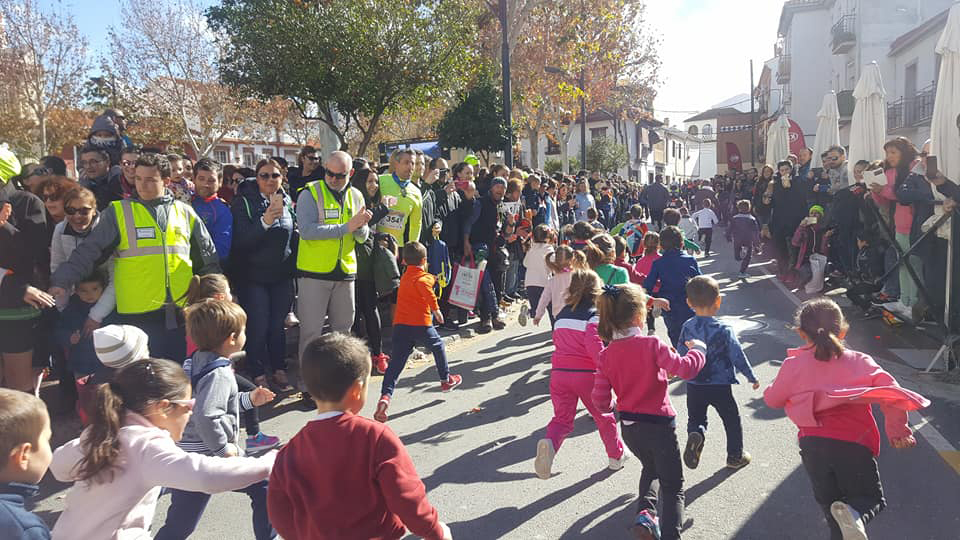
[342, 475]
[417, 307]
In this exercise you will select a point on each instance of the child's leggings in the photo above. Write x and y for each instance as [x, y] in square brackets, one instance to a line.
[568, 387]
[655, 445]
[842, 471]
[186, 508]
[404, 338]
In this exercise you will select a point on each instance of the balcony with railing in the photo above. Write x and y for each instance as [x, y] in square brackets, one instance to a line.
[908, 112]
[843, 34]
[783, 69]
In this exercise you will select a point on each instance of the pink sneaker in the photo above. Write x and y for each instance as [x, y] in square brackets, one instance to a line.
[382, 405]
[452, 382]
[381, 361]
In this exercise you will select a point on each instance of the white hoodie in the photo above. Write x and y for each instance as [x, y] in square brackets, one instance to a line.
[535, 261]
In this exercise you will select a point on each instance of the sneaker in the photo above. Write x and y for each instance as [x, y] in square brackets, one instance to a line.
[851, 526]
[485, 327]
[899, 309]
[498, 324]
[646, 526]
[882, 298]
[544, 460]
[450, 324]
[691, 454]
[739, 463]
[617, 464]
[522, 318]
[261, 443]
[452, 382]
[382, 406]
[382, 361]
[743, 275]
[280, 381]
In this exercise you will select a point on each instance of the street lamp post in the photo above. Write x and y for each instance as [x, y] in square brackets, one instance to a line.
[505, 59]
[581, 85]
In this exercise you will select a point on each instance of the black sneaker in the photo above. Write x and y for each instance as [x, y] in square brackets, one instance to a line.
[498, 324]
[691, 454]
[485, 327]
[739, 463]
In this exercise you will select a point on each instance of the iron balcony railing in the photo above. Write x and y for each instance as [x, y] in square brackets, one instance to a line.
[843, 34]
[916, 110]
[783, 69]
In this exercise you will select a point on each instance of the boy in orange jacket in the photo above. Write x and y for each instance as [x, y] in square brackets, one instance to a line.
[417, 308]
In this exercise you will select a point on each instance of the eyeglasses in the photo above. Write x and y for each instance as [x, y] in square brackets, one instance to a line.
[338, 176]
[85, 211]
[89, 162]
[267, 176]
[312, 158]
[188, 403]
[128, 163]
[40, 171]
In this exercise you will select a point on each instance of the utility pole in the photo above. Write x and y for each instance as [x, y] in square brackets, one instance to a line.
[505, 59]
[753, 122]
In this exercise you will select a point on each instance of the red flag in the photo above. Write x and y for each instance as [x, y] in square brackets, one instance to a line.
[734, 162]
[797, 142]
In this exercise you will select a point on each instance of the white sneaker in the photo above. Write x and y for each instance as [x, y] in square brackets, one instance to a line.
[617, 464]
[544, 461]
[849, 521]
[899, 309]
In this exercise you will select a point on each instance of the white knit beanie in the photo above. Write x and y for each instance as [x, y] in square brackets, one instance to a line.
[119, 345]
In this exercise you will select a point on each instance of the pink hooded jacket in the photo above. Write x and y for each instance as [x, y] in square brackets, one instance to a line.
[832, 399]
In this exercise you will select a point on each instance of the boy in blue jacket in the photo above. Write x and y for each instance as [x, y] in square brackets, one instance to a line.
[713, 385]
[81, 356]
[25, 447]
[214, 212]
[672, 271]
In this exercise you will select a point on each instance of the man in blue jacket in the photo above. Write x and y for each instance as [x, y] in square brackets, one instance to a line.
[214, 212]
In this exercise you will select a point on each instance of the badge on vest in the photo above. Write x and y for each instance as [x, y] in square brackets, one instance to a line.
[331, 213]
[146, 233]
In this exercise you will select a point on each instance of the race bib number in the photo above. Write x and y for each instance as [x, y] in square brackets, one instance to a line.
[392, 222]
[331, 213]
[146, 233]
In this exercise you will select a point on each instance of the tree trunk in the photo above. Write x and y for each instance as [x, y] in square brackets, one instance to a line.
[368, 133]
[534, 137]
[43, 133]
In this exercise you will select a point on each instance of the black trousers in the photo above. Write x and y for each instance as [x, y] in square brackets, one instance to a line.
[251, 418]
[743, 252]
[842, 471]
[655, 445]
[860, 293]
[367, 302]
[656, 217]
[720, 397]
[705, 238]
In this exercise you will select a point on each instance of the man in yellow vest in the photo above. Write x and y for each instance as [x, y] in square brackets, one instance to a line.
[158, 244]
[332, 218]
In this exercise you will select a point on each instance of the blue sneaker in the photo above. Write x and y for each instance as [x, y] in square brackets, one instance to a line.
[646, 526]
[261, 443]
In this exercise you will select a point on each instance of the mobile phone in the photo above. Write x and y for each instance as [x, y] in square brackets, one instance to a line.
[443, 174]
[932, 170]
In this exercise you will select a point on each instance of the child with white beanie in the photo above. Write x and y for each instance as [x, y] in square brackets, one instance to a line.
[117, 346]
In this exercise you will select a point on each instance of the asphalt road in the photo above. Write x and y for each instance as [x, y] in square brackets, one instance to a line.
[474, 448]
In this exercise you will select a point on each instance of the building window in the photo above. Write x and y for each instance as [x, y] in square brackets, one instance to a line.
[707, 130]
[221, 156]
[248, 159]
[692, 130]
[598, 133]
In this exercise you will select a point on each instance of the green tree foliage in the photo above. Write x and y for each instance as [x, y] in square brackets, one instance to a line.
[476, 123]
[606, 155]
[348, 62]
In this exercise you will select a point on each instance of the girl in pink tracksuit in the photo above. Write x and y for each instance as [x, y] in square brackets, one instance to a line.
[561, 263]
[577, 347]
[827, 391]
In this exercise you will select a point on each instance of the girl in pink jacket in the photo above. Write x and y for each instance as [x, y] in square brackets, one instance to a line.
[576, 348]
[827, 391]
[128, 452]
[561, 263]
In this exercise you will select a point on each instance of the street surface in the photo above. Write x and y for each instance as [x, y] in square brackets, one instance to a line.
[474, 447]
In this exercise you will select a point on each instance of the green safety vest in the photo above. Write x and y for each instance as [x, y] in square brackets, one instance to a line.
[322, 256]
[151, 265]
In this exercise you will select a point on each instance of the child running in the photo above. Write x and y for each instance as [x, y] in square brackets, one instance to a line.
[417, 308]
[576, 349]
[25, 447]
[827, 391]
[601, 253]
[538, 274]
[342, 475]
[217, 328]
[745, 233]
[561, 263]
[705, 219]
[651, 252]
[128, 452]
[712, 387]
[671, 272]
[638, 367]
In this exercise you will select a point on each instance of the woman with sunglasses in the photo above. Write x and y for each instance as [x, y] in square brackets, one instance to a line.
[262, 264]
[80, 208]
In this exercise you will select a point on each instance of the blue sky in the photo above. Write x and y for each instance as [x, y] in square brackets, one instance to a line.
[706, 45]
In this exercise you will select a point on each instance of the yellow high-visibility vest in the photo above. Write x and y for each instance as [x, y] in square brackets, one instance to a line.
[151, 263]
[322, 256]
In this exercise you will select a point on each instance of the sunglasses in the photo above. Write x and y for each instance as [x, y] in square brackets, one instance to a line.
[313, 158]
[89, 162]
[40, 171]
[50, 197]
[267, 176]
[188, 403]
[85, 211]
[338, 176]
[128, 163]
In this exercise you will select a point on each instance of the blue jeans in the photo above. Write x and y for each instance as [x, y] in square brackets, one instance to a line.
[404, 338]
[513, 278]
[267, 305]
[186, 508]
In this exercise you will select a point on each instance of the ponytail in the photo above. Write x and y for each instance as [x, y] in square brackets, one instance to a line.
[584, 287]
[822, 322]
[563, 258]
[206, 287]
[618, 307]
[133, 388]
[600, 249]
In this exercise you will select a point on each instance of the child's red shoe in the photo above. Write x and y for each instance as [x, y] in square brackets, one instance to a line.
[452, 382]
[381, 361]
[382, 405]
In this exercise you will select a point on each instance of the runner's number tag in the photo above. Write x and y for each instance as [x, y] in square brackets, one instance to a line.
[392, 221]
